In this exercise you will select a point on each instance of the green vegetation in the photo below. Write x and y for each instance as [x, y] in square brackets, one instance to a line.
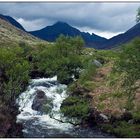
[112, 87]
[136, 116]
[14, 71]
[76, 107]
[14, 77]
[124, 79]
[61, 59]
[128, 65]
[123, 129]
[9, 35]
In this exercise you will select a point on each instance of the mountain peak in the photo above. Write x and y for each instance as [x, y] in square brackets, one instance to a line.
[51, 33]
[61, 23]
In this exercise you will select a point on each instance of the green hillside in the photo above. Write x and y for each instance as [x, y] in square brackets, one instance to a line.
[9, 34]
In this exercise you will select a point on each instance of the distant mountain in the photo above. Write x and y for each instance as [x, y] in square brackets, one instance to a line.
[50, 33]
[123, 38]
[12, 21]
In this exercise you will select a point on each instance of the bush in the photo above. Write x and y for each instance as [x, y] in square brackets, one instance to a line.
[14, 73]
[123, 129]
[61, 59]
[75, 107]
[136, 116]
[88, 73]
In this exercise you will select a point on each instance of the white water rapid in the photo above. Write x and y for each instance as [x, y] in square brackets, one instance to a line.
[37, 124]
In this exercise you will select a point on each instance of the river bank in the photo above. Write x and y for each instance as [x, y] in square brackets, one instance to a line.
[8, 126]
[108, 104]
[49, 122]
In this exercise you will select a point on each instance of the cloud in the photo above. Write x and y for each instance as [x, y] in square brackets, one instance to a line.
[98, 32]
[32, 24]
[104, 18]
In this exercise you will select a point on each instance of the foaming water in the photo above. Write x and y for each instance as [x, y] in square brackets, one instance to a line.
[37, 124]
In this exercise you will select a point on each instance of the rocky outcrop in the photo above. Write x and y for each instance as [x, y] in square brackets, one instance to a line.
[126, 116]
[97, 117]
[8, 126]
[35, 74]
[97, 63]
[39, 100]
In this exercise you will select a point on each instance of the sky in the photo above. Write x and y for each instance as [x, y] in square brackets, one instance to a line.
[104, 19]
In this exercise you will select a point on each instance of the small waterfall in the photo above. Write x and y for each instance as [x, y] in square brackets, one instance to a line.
[37, 124]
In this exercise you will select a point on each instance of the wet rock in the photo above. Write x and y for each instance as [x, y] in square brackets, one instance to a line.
[80, 90]
[26, 114]
[114, 119]
[39, 100]
[3, 76]
[35, 74]
[65, 81]
[89, 95]
[103, 117]
[1, 72]
[53, 82]
[44, 84]
[30, 58]
[131, 121]
[126, 116]
[66, 103]
[8, 125]
[15, 131]
[91, 120]
[97, 117]
[97, 63]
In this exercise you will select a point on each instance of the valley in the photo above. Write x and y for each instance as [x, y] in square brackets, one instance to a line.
[54, 85]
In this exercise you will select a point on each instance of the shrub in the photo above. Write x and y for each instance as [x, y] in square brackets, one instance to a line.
[61, 59]
[75, 107]
[14, 73]
[136, 116]
[124, 129]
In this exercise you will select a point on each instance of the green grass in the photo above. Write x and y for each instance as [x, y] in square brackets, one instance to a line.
[136, 116]
[123, 129]
[101, 106]
[117, 95]
[103, 96]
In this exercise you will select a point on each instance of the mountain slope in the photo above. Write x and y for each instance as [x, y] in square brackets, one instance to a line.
[10, 34]
[12, 21]
[50, 33]
[123, 38]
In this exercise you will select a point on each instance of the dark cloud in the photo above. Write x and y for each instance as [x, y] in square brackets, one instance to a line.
[103, 17]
